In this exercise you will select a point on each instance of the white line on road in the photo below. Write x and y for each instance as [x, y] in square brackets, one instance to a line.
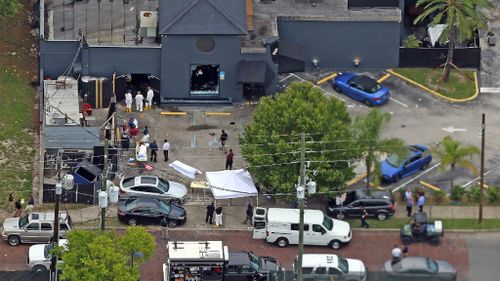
[421, 174]
[401, 103]
[474, 180]
[325, 91]
[289, 75]
[490, 90]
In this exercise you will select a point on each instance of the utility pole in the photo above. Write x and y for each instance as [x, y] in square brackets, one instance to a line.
[104, 180]
[55, 238]
[481, 179]
[300, 197]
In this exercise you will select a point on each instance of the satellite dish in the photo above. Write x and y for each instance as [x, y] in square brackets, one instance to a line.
[85, 79]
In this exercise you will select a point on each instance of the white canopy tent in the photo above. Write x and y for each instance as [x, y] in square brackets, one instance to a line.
[231, 184]
[435, 32]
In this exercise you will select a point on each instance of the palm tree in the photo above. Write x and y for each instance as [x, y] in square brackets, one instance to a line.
[462, 18]
[368, 131]
[452, 153]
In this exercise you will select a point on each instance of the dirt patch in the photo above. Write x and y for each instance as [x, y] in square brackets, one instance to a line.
[201, 127]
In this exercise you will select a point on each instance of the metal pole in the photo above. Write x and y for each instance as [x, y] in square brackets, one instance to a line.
[481, 179]
[104, 179]
[301, 206]
[55, 238]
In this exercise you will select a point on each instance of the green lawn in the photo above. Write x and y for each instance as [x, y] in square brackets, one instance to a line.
[16, 135]
[458, 87]
[448, 223]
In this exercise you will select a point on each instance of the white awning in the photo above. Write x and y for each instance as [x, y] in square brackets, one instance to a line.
[231, 184]
[435, 32]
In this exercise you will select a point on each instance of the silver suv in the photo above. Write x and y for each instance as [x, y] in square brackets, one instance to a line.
[34, 228]
[39, 256]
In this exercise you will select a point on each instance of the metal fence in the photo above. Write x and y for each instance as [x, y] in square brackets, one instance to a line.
[434, 57]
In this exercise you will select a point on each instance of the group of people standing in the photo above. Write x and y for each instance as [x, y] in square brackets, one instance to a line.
[211, 209]
[140, 102]
[18, 206]
[410, 201]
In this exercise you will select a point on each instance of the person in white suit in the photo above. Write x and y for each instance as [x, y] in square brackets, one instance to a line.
[139, 101]
[128, 101]
[149, 98]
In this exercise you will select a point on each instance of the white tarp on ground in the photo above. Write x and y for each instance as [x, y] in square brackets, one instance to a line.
[231, 184]
[435, 32]
[184, 169]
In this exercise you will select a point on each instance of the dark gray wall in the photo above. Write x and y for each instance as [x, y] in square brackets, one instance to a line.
[56, 56]
[336, 44]
[180, 51]
[103, 61]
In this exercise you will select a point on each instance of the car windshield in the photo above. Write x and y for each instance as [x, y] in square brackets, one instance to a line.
[432, 265]
[327, 223]
[164, 207]
[394, 160]
[23, 221]
[128, 182]
[163, 185]
[343, 265]
[254, 261]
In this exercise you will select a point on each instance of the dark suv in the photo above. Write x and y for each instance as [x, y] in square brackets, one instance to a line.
[378, 203]
[243, 266]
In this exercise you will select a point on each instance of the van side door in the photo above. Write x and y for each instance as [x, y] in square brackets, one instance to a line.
[316, 236]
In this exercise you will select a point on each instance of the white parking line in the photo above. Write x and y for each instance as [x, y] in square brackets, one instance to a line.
[315, 86]
[474, 180]
[289, 75]
[401, 103]
[413, 179]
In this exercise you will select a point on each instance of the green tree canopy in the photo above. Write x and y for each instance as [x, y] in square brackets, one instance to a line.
[9, 7]
[95, 256]
[271, 143]
[368, 131]
[462, 18]
[452, 153]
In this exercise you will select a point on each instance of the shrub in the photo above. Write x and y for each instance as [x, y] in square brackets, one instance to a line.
[411, 42]
[457, 193]
[401, 192]
[493, 194]
[438, 196]
[473, 194]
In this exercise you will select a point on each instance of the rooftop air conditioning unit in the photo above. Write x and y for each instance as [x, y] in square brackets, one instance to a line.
[148, 22]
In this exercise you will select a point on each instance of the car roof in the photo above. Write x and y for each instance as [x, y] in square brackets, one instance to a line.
[139, 180]
[239, 258]
[142, 202]
[320, 260]
[366, 81]
[47, 216]
[374, 194]
[413, 263]
[292, 215]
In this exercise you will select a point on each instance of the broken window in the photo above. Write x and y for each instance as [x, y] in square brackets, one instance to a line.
[204, 79]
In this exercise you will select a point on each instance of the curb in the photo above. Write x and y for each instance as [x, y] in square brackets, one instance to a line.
[476, 93]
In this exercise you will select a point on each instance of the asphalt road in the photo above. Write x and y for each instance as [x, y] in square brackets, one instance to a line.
[484, 254]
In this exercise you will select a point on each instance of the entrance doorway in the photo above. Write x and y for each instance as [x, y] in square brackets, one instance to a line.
[204, 80]
[253, 91]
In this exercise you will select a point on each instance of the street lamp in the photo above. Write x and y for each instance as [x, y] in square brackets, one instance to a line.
[67, 183]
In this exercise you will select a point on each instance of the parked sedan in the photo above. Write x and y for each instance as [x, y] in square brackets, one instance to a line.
[243, 266]
[150, 211]
[419, 268]
[361, 88]
[153, 187]
[396, 167]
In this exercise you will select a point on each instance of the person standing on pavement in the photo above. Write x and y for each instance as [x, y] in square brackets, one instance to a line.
[364, 216]
[223, 138]
[19, 208]
[409, 201]
[210, 213]
[249, 214]
[139, 101]
[421, 201]
[128, 101]
[10, 206]
[396, 254]
[229, 159]
[166, 147]
[218, 215]
[149, 98]
[154, 150]
[31, 204]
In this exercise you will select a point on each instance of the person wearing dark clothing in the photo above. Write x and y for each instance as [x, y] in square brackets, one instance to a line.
[31, 201]
[229, 160]
[146, 130]
[10, 206]
[210, 213]
[223, 138]
[364, 216]
[249, 214]
[154, 150]
[218, 215]
[164, 221]
[19, 208]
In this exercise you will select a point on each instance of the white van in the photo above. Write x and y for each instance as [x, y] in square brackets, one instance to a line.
[281, 226]
[318, 267]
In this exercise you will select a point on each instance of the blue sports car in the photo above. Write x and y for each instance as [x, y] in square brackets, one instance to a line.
[361, 88]
[395, 168]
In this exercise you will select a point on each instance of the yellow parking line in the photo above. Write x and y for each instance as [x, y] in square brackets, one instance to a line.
[428, 185]
[383, 78]
[217, 113]
[356, 179]
[173, 113]
[331, 76]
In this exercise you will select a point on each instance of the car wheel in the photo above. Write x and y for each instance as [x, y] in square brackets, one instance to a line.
[335, 244]
[132, 222]
[406, 240]
[14, 240]
[397, 178]
[367, 103]
[40, 268]
[435, 241]
[282, 242]
[381, 216]
[172, 224]
[337, 89]
[340, 216]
